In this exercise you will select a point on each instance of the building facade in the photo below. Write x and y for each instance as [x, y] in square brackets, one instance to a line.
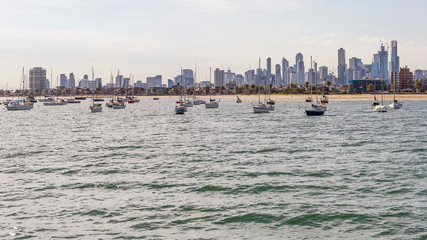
[37, 79]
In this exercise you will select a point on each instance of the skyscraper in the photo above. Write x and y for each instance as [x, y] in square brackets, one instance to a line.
[37, 79]
[268, 69]
[71, 81]
[158, 80]
[278, 76]
[394, 61]
[323, 73]
[63, 81]
[300, 69]
[383, 63]
[285, 71]
[342, 67]
[218, 77]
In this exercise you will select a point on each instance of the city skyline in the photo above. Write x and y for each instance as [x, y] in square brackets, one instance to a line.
[149, 39]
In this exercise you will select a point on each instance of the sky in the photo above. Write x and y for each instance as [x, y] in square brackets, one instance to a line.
[145, 38]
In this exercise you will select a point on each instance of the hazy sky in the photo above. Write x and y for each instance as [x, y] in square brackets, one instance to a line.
[146, 38]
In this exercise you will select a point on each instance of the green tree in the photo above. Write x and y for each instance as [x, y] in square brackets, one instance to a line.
[370, 87]
[419, 85]
[351, 86]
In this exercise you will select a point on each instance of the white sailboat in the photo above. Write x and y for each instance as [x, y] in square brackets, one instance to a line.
[315, 109]
[212, 102]
[20, 104]
[260, 107]
[395, 104]
[381, 107]
[180, 108]
[118, 103]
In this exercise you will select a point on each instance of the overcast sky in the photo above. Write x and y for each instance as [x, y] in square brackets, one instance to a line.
[146, 38]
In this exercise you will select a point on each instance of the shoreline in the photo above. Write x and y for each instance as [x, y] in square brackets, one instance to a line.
[286, 97]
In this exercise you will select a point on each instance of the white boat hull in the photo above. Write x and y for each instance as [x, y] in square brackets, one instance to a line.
[380, 108]
[395, 105]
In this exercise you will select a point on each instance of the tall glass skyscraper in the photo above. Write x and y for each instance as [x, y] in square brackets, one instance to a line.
[342, 67]
[285, 71]
[299, 64]
[394, 61]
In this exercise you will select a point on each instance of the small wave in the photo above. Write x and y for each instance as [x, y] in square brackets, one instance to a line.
[211, 188]
[250, 217]
[415, 150]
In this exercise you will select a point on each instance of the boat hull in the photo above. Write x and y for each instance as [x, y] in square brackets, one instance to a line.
[212, 105]
[314, 112]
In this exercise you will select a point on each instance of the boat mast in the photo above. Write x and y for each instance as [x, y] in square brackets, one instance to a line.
[259, 78]
[210, 82]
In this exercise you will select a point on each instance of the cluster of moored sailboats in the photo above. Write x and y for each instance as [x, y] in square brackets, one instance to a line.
[380, 107]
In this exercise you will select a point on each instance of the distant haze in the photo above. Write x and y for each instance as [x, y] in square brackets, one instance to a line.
[147, 38]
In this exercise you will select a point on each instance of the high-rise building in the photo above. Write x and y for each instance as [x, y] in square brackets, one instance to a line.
[268, 69]
[250, 77]
[151, 82]
[71, 81]
[355, 68]
[381, 62]
[285, 71]
[188, 80]
[158, 80]
[394, 61]
[323, 70]
[98, 82]
[278, 76]
[85, 77]
[119, 81]
[63, 81]
[37, 79]
[218, 78]
[403, 79]
[342, 67]
[170, 83]
[300, 69]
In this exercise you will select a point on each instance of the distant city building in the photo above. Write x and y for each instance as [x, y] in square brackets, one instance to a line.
[300, 69]
[151, 82]
[98, 82]
[268, 74]
[138, 84]
[323, 70]
[250, 77]
[37, 79]
[47, 84]
[292, 76]
[126, 82]
[355, 68]
[63, 81]
[188, 79]
[158, 80]
[278, 76]
[218, 78]
[361, 85]
[71, 81]
[342, 68]
[170, 83]
[285, 72]
[119, 81]
[86, 77]
[179, 80]
[380, 65]
[240, 80]
[419, 74]
[394, 61]
[403, 79]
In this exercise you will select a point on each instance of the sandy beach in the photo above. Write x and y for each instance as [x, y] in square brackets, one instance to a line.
[302, 97]
[298, 97]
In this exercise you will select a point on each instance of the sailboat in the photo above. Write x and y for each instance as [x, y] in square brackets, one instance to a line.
[375, 102]
[118, 103]
[180, 108]
[95, 107]
[212, 102]
[395, 104]
[315, 109]
[19, 104]
[196, 100]
[57, 101]
[381, 107]
[109, 103]
[261, 107]
[238, 100]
